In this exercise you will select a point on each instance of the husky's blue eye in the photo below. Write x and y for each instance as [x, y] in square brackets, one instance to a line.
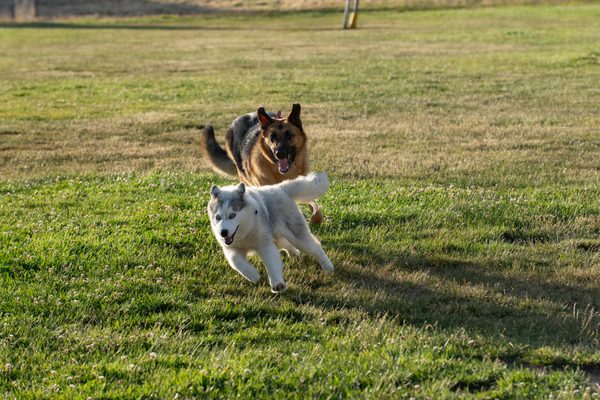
[218, 217]
[232, 216]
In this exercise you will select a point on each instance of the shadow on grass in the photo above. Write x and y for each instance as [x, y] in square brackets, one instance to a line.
[450, 293]
[157, 27]
[107, 8]
[67, 25]
[137, 8]
[132, 8]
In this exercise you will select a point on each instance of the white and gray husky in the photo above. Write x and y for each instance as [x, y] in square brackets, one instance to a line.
[263, 220]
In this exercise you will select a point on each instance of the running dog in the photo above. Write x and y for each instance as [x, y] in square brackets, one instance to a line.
[263, 220]
[261, 149]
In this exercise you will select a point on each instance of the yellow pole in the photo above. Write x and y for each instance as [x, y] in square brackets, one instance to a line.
[354, 16]
[353, 19]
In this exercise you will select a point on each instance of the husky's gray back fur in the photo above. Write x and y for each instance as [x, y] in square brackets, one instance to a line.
[273, 205]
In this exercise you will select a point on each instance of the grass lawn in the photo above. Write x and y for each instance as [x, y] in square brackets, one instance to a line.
[463, 148]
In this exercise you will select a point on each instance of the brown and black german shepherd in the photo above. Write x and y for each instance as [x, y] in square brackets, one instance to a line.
[262, 149]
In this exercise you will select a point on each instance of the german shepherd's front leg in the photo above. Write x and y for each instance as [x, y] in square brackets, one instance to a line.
[316, 214]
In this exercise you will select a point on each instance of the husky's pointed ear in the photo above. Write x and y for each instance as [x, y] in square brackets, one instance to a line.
[294, 117]
[264, 118]
[241, 188]
[215, 190]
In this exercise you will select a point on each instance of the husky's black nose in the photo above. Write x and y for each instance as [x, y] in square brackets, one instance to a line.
[224, 233]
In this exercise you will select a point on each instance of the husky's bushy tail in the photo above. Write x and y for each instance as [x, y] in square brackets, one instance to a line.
[215, 154]
[306, 188]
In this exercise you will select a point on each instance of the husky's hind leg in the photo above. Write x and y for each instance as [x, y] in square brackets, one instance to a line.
[307, 243]
[238, 261]
[283, 244]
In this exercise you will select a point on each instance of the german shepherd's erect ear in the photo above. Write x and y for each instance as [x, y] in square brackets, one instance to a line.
[294, 117]
[264, 118]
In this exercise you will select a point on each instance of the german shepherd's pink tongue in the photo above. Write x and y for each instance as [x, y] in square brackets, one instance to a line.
[283, 165]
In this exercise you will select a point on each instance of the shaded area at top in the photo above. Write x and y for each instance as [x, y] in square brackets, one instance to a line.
[67, 8]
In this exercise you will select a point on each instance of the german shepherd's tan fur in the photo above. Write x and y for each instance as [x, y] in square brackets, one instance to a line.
[261, 149]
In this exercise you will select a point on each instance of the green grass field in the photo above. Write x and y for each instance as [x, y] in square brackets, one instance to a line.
[463, 148]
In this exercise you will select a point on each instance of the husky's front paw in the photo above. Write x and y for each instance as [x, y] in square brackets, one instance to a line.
[252, 276]
[279, 287]
[327, 266]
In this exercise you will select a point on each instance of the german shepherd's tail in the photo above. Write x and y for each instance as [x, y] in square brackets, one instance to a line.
[215, 154]
[306, 188]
